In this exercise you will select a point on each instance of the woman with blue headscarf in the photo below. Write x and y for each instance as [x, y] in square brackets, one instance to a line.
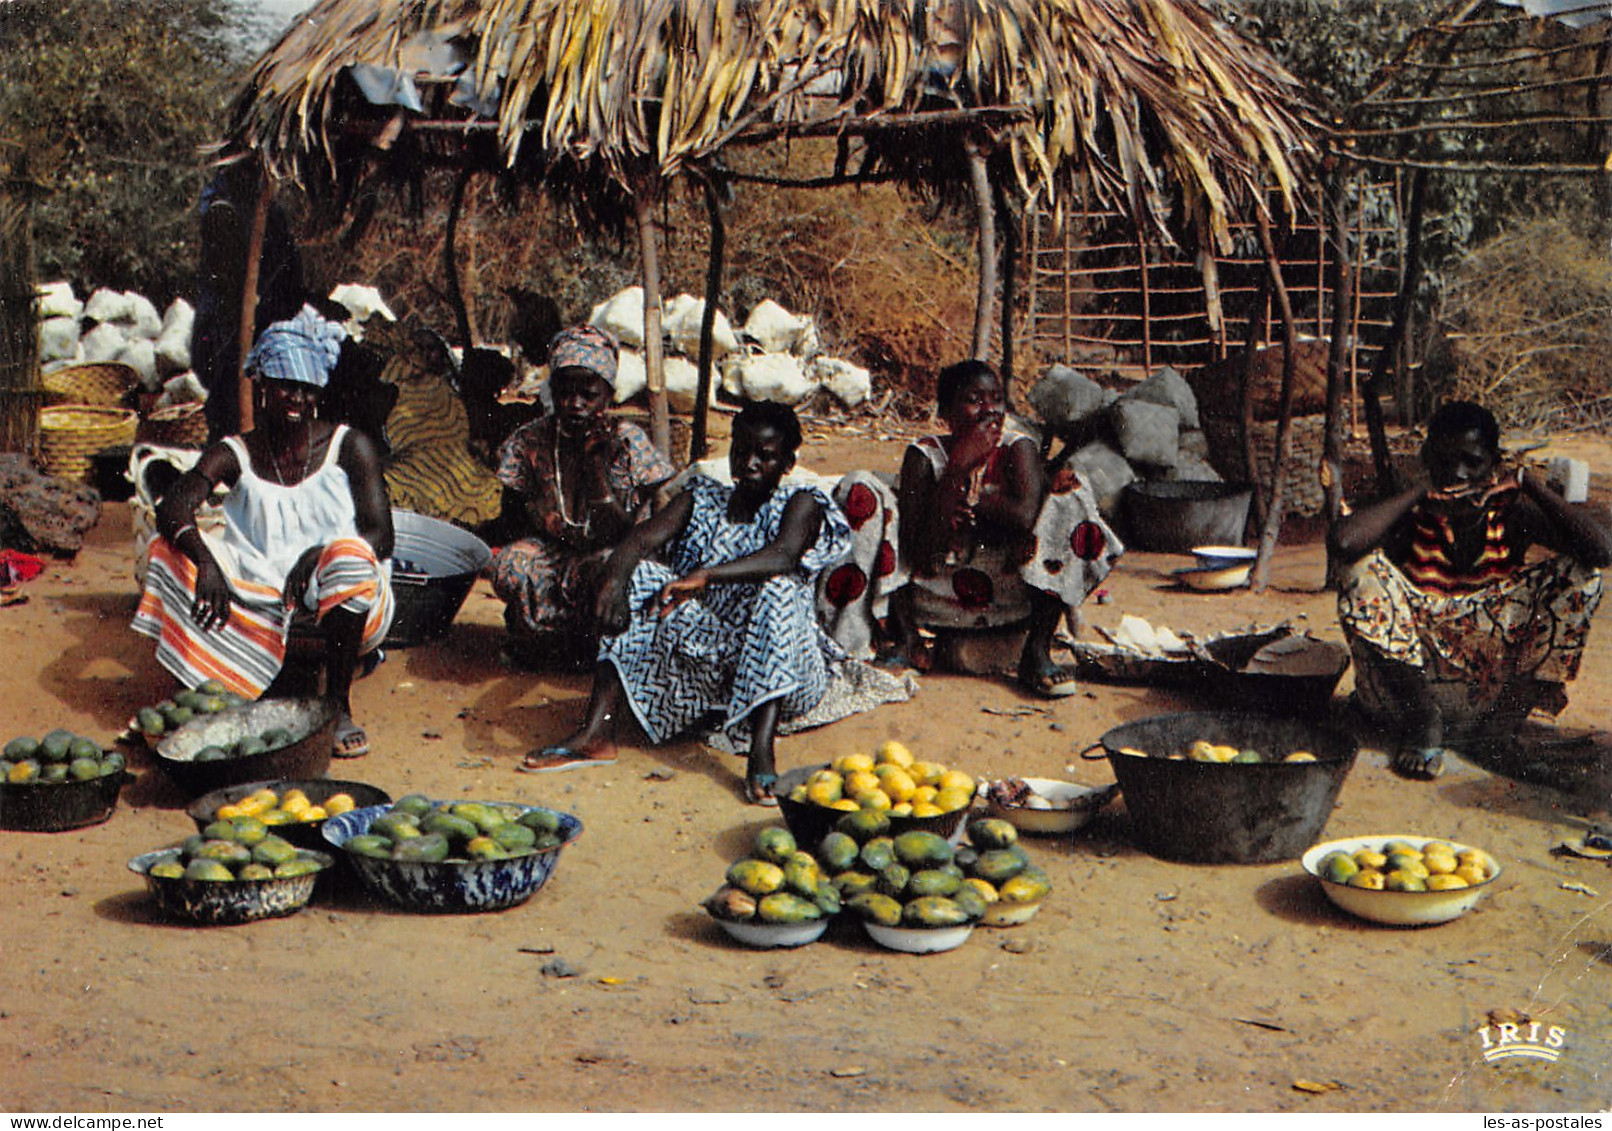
[307, 535]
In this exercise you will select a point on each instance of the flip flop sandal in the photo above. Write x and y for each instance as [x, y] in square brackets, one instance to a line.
[1051, 683]
[758, 790]
[1420, 763]
[554, 759]
[342, 746]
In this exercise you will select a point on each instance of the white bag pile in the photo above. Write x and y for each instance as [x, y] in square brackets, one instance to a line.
[114, 325]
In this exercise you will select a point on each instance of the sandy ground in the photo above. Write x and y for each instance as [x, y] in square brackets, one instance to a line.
[1142, 985]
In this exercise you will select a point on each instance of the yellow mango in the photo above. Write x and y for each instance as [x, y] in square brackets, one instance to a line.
[895, 753]
[850, 763]
[824, 792]
[1300, 756]
[955, 780]
[339, 803]
[924, 795]
[315, 813]
[872, 799]
[1471, 873]
[925, 773]
[901, 809]
[228, 811]
[1201, 750]
[925, 809]
[949, 799]
[1368, 878]
[845, 804]
[895, 782]
[1446, 883]
[1366, 858]
[1439, 864]
[860, 781]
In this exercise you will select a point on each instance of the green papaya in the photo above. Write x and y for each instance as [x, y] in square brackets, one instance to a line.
[992, 832]
[786, 907]
[1001, 864]
[802, 875]
[149, 722]
[415, 805]
[970, 900]
[427, 848]
[451, 825]
[893, 880]
[368, 844]
[758, 877]
[113, 763]
[540, 820]
[732, 904]
[863, 825]
[301, 866]
[203, 868]
[878, 854]
[53, 773]
[273, 851]
[225, 852]
[55, 745]
[775, 845]
[854, 883]
[396, 825]
[876, 908]
[220, 829]
[836, 852]
[19, 748]
[167, 870]
[484, 817]
[932, 881]
[827, 898]
[919, 849]
[255, 871]
[933, 911]
[84, 769]
[1024, 888]
[513, 837]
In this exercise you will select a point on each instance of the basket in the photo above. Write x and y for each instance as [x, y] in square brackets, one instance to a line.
[71, 435]
[1302, 490]
[175, 426]
[96, 382]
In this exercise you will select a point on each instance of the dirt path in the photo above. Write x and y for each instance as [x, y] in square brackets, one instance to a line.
[1142, 985]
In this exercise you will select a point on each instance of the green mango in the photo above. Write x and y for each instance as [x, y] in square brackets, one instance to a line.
[970, 900]
[273, 851]
[450, 825]
[878, 854]
[83, 748]
[396, 825]
[249, 831]
[863, 825]
[802, 875]
[1000, 864]
[775, 845]
[836, 852]
[149, 722]
[514, 837]
[250, 745]
[933, 911]
[55, 746]
[188, 699]
[485, 818]
[301, 866]
[167, 870]
[932, 881]
[1026, 887]
[546, 841]
[113, 763]
[211, 754]
[427, 848]
[855, 883]
[483, 847]
[368, 844]
[53, 773]
[919, 849]
[210, 705]
[204, 868]
[992, 832]
[415, 805]
[221, 829]
[876, 908]
[211, 687]
[893, 879]
[225, 852]
[192, 844]
[275, 737]
[255, 871]
[84, 769]
[731, 904]
[540, 820]
[758, 877]
[19, 748]
[827, 898]
[177, 716]
[786, 907]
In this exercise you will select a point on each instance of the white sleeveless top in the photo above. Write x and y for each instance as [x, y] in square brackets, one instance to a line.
[268, 526]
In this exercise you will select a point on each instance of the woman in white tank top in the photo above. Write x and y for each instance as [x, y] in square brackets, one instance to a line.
[308, 533]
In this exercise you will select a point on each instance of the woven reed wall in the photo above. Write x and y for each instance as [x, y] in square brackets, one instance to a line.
[19, 334]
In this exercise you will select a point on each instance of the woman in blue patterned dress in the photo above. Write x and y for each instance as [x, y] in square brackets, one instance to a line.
[724, 622]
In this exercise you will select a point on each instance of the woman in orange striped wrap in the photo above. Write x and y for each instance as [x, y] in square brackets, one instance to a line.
[1448, 616]
[307, 535]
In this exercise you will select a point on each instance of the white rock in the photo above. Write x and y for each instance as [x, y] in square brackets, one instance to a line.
[623, 315]
[850, 383]
[778, 377]
[103, 343]
[631, 376]
[1065, 396]
[1147, 432]
[107, 305]
[143, 320]
[683, 381]
[1170, 388]
[183, 389]
[682, 323]
[56, 300]
[140, 354]
[58, 338]
[776, 330]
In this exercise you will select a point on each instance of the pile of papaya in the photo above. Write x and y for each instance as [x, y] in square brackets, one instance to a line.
[998, 868]
[239, 849]
[777, 883]
[420, 829]
[291, 807]
[61, 756]
[891, 779]
[206, 698]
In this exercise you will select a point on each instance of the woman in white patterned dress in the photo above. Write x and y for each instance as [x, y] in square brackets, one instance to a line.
[726, 624]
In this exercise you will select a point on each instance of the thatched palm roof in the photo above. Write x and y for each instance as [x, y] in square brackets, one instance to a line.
[1122, 98]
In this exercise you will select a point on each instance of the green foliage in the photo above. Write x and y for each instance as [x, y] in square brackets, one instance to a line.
[114, 99]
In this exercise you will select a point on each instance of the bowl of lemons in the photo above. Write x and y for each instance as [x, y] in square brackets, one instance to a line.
[914, 793]
[1402, 880]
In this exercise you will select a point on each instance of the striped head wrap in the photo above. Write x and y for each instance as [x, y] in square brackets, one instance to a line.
[304, 348]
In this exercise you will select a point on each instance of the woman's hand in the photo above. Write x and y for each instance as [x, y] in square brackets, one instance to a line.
[680, 589]
[213, 597]
[296, 582]
[973, 447]
[610, 607]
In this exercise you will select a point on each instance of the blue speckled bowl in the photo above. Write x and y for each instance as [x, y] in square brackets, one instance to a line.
[449, 885]
[216, 903]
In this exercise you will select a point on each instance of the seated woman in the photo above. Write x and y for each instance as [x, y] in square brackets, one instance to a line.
[985, 541]
[585, 479]
[1447, 620]
[307, 533]
[725, 622]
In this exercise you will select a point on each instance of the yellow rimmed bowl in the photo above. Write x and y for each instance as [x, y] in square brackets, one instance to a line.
[1398, 908]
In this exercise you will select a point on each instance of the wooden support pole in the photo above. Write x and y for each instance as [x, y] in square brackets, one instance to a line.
[1010, 281]
[1335, 211]
[985, 222]
[1387, 480]
[1147, 302]
[713, 291]
[247, 330]
[644, 199]
[463, 323]
[1272, 527]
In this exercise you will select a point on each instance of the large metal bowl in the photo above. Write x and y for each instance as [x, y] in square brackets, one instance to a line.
[216, 903]
[452, 886]
[52, 807]
[311, 721]
[303, 834]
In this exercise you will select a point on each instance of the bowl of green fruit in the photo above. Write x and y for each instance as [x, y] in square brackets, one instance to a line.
[61, 781]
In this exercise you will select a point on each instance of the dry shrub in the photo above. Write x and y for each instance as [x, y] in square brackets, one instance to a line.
[1527, 317]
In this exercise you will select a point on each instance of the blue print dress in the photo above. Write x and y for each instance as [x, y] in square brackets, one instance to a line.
[737, 646]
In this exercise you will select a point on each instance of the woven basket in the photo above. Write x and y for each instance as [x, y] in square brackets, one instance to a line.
[70, 436]
[96, 383]
[174, 426]
[1302, 493]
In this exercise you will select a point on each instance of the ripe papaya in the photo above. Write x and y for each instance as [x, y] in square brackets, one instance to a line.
[919, 849]
[932, 881]
[758, 877]
[992, 832]
[732, 904]
[786, 907]
[1001, 864]
[933, 911]
[802, 875]
[775, 845]
[876, 908]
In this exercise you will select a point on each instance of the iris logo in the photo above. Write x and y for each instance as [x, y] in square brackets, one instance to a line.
[1508, 1039]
